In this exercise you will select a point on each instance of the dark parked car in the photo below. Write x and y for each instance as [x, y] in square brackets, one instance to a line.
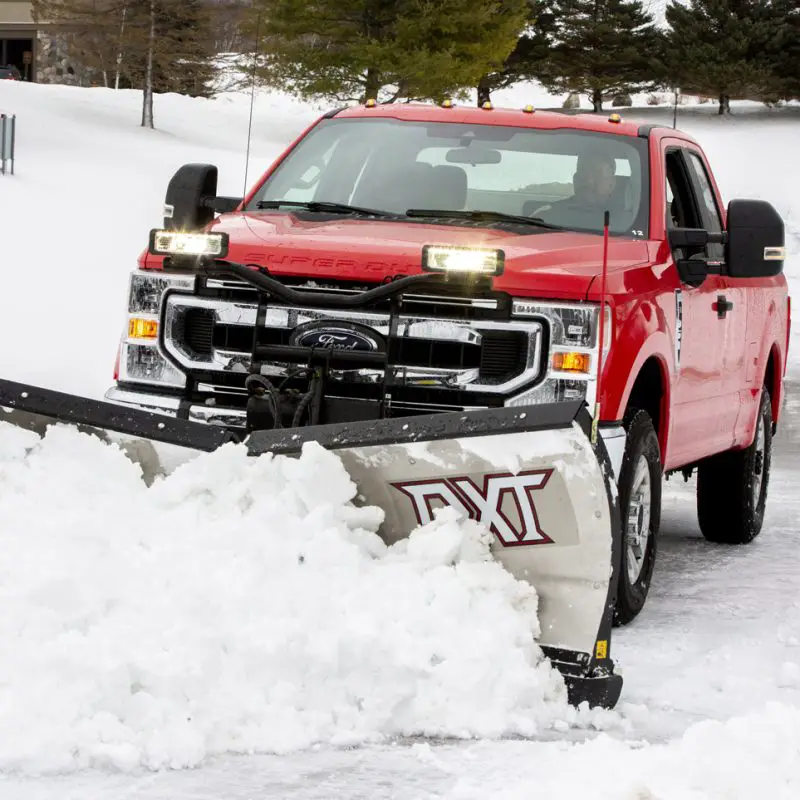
[10, 72]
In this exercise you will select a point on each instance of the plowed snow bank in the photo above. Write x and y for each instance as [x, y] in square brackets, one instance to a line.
[241, 605]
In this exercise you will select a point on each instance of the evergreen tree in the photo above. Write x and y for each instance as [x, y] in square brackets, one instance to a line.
[382, 49]
[724, 47]
[182, 48]
[526, 60]
[602, 48]
[787, 50]
[153, 45]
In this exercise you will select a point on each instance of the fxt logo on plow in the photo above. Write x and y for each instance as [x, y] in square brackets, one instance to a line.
[486, 505]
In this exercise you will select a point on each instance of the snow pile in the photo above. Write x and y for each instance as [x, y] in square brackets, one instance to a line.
[242, 605]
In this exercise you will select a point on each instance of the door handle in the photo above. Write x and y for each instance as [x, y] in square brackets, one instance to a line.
[722, 306]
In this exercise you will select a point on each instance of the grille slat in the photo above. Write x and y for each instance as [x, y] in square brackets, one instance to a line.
[502, 354]
[199, 330]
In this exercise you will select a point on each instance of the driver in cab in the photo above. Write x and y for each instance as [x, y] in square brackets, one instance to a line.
[593, 185]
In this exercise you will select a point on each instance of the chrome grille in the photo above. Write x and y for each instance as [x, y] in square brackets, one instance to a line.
[433, 360]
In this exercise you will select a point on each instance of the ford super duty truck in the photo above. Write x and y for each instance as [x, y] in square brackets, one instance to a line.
[584, 258]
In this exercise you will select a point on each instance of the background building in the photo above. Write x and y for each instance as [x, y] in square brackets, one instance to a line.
[18, 37]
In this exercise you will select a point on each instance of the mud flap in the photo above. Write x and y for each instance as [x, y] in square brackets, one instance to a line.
[531, 475]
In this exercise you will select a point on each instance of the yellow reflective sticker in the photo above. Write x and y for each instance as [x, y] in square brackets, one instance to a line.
[602, 649]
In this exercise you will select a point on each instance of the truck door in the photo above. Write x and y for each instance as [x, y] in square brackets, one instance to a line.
[700, 424]
[732, 302]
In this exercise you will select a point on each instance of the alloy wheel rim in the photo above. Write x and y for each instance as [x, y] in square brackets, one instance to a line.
[637, 524]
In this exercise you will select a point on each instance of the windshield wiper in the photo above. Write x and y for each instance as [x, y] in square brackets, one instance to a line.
[322, 205]
[479, 216]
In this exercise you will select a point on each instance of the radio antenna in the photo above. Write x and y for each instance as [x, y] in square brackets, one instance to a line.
[252, 100]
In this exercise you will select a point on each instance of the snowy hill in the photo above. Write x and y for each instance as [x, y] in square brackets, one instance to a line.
[234, 608]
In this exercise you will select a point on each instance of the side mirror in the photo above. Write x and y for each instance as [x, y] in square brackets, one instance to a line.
[755, 246]
[693, 268]
[191, 198]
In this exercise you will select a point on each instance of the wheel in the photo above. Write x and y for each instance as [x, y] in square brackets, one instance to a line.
[640, 511]
[732, 486]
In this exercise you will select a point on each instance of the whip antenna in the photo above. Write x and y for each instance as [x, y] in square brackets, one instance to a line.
[601, 322]
[252, 100]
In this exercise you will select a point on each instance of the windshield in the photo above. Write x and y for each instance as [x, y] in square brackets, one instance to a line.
[566, 178]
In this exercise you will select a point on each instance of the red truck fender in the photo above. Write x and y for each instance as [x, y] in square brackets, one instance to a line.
[640, 361]
[771, 361]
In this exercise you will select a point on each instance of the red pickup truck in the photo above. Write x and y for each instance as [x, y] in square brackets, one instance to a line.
[692, 300]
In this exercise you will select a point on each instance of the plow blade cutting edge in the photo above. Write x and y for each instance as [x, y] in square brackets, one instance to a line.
[532, 475]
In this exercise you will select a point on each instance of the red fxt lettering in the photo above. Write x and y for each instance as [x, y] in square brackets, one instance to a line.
[486, 504]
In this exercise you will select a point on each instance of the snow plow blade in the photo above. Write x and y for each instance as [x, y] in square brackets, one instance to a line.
[532, 475]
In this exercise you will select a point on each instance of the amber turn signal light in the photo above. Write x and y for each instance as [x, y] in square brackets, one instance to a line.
[142, 328]
[571, 362]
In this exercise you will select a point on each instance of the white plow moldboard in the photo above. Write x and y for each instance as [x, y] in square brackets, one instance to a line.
[543, 496]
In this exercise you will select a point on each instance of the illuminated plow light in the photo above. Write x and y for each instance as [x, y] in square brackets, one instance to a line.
[462, 260]
[177, 243]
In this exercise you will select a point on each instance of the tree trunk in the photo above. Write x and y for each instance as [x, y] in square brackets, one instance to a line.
[724, 104]
[372, 85]
[147, 104]
[484, 91]
[119, 50]
[597, 100]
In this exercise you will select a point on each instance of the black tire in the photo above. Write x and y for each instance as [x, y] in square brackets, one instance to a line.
[640, 475]
[732, 486]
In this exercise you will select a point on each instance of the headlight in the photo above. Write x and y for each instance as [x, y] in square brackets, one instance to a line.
[148, 287]
[462, 260]
[141, 361]
[177, 243]
[570, 371]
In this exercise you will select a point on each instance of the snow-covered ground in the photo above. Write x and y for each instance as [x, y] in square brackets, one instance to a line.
[236, 619]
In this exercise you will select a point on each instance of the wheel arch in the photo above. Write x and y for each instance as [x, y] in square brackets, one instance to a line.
[648, 387]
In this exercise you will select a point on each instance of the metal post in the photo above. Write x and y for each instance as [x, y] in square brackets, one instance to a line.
[7, 141]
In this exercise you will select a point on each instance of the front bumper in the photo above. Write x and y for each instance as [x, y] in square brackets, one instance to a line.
[172, 406]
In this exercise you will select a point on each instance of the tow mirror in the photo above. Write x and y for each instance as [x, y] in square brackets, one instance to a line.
[755, 240]
[191, 198]
[692, 264]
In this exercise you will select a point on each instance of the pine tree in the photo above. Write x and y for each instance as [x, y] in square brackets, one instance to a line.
[382, 49]
[526, 60]
[724, 48]
[787, 50]
[153, 45]
[602, 48]
[182, 47]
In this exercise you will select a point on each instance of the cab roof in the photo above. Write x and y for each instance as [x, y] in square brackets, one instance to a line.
[525, 117]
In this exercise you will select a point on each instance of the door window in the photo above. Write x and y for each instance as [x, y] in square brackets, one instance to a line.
[712, 220]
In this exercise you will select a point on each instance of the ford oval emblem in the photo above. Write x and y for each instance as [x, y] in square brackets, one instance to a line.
[337, 336]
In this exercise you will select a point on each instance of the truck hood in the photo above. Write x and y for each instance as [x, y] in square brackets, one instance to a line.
[537, 262]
